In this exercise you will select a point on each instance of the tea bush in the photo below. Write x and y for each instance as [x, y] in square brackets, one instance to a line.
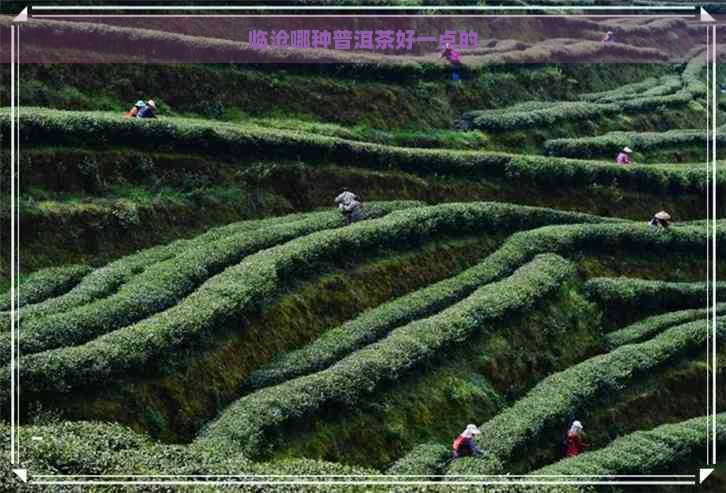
[561, 397]
[254, 422]
[165, 283]
[46, 283]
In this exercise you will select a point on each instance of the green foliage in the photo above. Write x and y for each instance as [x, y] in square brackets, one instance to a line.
[645, 452]
[625, 294]
[374, 324]
[253, 423]
[645, 329]
[231, 140]
[628, 99]
[609, 144]
[105, 281]
[425, 459]
[564, 396]
[166, 282]
[44, 284]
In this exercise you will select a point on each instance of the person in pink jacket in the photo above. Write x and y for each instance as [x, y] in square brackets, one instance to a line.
[454, 58]
[624, 156]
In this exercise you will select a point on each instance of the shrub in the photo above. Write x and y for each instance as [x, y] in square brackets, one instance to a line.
[623, 294]
[46, 283]
[232, 140]
[165, 283]
[251, 422]
[375, 323]
[609, 144]
[644, 452]
[428, 459]
[562, 396]
[106, 280]
[649, 327]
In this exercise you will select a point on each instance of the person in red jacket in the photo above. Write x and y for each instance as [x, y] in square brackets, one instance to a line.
[574, 440]
[464, 445]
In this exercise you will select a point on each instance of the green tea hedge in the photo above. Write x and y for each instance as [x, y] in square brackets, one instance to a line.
[561, 397]
[191, 324]
[644, 452]
[609, 144]
[651, 326]
[253, 424]
[166, 283]
[46, 283]
[375, 323]
[106, 280]
[63, 128]
[424, 461]
[638, 295]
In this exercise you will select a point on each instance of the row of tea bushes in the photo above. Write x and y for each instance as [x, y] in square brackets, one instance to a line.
[253, 424]
[340, 341]
[44, 284]
[64, 128]
[563, 396]
[645, 329]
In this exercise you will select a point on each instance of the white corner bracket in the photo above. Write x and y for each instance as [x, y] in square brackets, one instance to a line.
[705, 16]
[23, 16]
[23, 474]
[703, 474]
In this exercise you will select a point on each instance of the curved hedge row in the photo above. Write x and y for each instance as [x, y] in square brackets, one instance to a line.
[649, 327]
[609, 144]
[644, 452]
[671, 92]
[63, 128]
[375, 323]
[90, 448]
[524, 118]
[106, 280]
[166, 283]
[638, 295]
[560, 397]
[44, 284]
[428, 459]
[648, 87]
[251, 422]
[259, 277]
[516, 251]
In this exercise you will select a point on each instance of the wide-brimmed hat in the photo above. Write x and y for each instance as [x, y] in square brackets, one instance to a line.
[140, 104]
[663, 215]
[151, 103]
[627, 149]
[471, 430]
[576, 426]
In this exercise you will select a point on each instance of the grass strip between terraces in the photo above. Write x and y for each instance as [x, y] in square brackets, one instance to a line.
[645, 329]
[164, 284]
[46, 283]
[66, 128]
[375, 323]
[252, 421]
[559, 397]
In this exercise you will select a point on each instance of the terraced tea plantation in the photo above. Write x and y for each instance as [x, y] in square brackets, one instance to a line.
[192, 303]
